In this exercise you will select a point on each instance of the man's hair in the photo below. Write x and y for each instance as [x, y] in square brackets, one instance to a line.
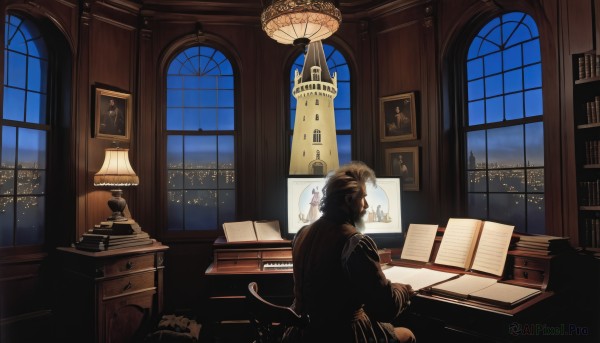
[346, 180]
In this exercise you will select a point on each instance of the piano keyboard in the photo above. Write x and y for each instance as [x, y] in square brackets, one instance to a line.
[277, 265]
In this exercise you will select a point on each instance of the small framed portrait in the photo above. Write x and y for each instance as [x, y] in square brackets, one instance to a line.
[397, 117]
[112, 115]
[404, 162]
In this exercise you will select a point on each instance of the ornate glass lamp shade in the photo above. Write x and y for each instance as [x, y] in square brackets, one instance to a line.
[299, 22]
[116, 171]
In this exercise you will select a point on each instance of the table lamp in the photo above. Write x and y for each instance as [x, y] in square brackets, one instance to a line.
[116, 172]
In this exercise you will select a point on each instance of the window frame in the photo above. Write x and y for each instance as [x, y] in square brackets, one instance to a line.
[169, 57]
[45, 126]
[463, 122]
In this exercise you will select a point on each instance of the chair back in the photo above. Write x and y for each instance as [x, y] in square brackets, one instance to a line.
[269, 320]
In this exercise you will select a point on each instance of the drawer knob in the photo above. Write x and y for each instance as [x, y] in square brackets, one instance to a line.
[128, 265]
[127, 286]
[526, 262]
[525, 274]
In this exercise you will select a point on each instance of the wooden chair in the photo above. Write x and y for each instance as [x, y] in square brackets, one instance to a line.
[269, 320]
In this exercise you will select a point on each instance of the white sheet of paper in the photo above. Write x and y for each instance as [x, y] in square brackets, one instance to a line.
[464, 285]
[492, 248]
[504, 293]
[267, 230]
[416, 277]
[458, 241]
[239, 231]
[419, 242]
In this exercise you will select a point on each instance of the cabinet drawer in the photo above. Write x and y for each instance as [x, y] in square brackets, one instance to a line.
[531, 275]
[129, 264]
[235, 255]
[283, 254]
[529, 263]
[240, 265]
[128, 284]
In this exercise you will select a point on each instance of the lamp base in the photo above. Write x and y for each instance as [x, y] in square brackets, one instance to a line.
[117, 204]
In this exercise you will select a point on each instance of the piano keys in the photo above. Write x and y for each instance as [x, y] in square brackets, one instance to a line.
[277, 265]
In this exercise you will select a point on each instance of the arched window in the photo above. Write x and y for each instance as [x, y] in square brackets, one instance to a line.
[317, 117]
[24, 136]
[504, 128]
[200, 136]
[336, 63]
[317, 136]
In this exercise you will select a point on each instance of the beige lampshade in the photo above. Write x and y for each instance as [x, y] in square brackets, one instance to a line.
[116, 170]
[299, 22]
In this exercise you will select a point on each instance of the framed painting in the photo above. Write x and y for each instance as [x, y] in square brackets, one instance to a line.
[404, 162]
[112, 115]
[397, 117]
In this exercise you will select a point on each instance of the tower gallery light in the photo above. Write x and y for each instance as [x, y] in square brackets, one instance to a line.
[299, 22]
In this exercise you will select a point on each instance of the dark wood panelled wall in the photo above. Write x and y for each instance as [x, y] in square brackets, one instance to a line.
[392, 46]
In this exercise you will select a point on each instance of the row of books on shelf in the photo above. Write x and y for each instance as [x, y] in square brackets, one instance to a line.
[590, 193]
[588, 66]
[592, 110]
[592, 232]
[592, 152]
[480, 249]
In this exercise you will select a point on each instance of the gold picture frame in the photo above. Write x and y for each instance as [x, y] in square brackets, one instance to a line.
[397, 117]
[112, 115]
[404, 162]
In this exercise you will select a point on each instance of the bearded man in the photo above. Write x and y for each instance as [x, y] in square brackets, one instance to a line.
[338, 282]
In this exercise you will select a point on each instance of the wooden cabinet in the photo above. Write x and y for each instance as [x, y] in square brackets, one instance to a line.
[110, 296]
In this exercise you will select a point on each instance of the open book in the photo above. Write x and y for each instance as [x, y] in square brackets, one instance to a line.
[260, 230]
[475, 244]
[418, 278]
[486, 290]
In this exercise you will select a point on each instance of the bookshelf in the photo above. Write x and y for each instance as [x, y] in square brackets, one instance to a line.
[586, 102]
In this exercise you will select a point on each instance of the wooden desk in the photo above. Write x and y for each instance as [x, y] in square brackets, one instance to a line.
[433, 318]
[437, 318]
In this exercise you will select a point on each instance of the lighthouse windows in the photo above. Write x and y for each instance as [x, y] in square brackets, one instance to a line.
[317, 136]
[317, 117]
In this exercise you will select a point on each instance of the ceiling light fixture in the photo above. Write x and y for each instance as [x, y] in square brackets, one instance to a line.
[299, 22]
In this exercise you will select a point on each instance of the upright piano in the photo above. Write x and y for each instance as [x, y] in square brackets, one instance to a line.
[236, 264]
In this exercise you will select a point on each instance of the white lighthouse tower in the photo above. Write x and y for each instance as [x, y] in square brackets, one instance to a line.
[314, 144]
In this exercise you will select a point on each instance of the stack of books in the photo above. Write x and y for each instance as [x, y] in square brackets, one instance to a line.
[100, 242]
[542, 244]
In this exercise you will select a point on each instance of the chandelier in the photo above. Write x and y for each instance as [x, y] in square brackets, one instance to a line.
[299, 22]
